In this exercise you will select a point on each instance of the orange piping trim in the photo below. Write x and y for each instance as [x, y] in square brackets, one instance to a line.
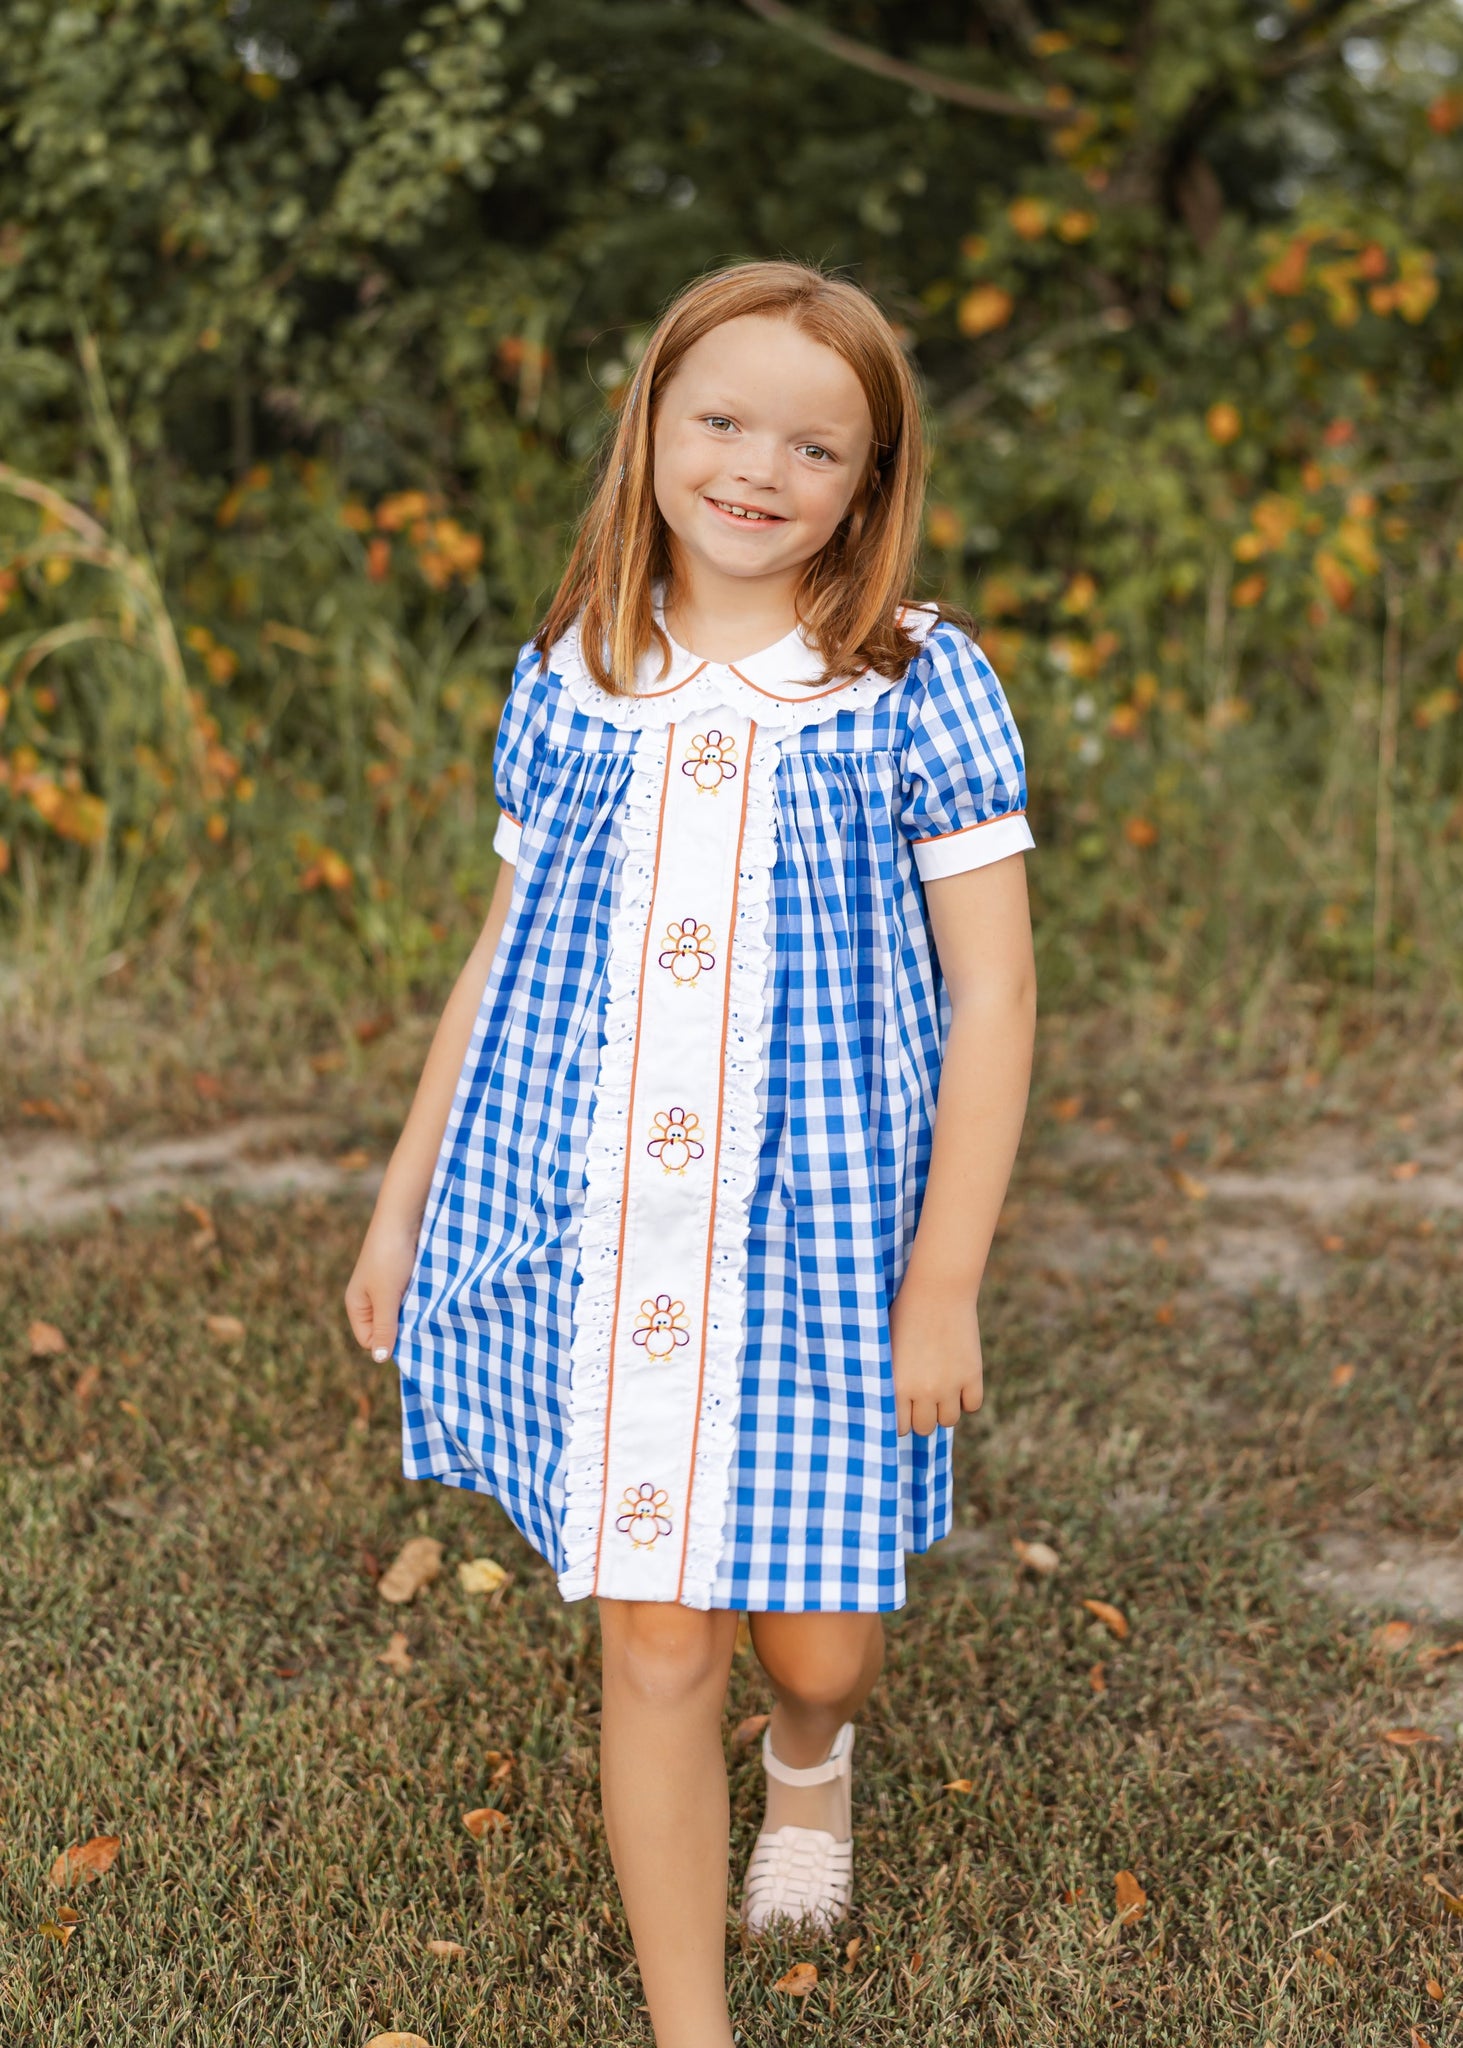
[629, 1154]
[671, 688]
[716, 1157]
[935, 837]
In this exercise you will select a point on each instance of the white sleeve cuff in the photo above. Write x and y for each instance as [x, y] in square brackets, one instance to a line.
[973, 846]
[506, 836]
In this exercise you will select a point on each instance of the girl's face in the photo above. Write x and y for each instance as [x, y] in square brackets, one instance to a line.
[762, 438]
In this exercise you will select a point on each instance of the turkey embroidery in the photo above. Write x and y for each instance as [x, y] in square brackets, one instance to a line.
[676, 1142]
[643, 1516]
[661, 1326]
[685, 952]
[710, 763]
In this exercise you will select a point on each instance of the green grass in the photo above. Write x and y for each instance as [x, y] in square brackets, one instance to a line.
[290, 1843]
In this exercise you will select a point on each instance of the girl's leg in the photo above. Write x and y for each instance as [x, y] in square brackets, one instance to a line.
[822, 1668]
[664, 1790]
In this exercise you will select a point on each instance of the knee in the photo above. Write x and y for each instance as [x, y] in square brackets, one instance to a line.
[661, 1653]
[817, 1666]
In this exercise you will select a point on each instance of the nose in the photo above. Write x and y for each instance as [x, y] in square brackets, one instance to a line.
[758, 462]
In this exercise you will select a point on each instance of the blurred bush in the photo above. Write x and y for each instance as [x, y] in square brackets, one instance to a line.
[310, 321]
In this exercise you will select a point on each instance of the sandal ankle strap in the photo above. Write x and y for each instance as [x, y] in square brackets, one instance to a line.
[834, 1765]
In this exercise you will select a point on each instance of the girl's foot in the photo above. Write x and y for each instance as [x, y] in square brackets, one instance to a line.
[798, 1871]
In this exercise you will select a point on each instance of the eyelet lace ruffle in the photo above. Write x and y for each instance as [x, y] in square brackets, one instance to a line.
[718, 686]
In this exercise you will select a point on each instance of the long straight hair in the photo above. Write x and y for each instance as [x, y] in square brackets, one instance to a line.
[848, 602]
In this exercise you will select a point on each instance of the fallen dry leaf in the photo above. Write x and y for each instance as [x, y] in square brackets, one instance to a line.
[228, 1329]
[354, 1161]
[1450, 1903]
[1342, 1376]
[1436, 1652]
[1158, 1246]
[1408, 1738]
[746, 1732]
[1067, 1108]
[446, 1948]
[744, 1636]
[917, 1961]
[1332, 1243]
[206, 1234]
[1392, 1638]
[1111, 1617]
[1418, 2039]
[485, 1820]
[55, 1930]
[417, 1562]
[371, 1028]
[42, 1105]
[798, 1981]
[481, 1575]
[1037, 1557]
[45, 1339]
[851, 1951]
[396, 1656]
[1434, 1990]
[1097, 1678]
[1406, 1169]
[363, 1409]
[1187, 1184]
[960, 1785]
[500, 1764]
[131, 1408]
[84, 1392]
[85, 1860]
[398, 2041]
[1131, 1897]
[1164, 1313]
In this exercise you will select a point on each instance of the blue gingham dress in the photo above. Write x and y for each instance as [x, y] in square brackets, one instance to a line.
[874, 788]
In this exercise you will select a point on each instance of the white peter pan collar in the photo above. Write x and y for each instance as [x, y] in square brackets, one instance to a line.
[779, 686]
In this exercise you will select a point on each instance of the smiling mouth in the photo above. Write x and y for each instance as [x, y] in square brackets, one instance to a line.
[746, 513]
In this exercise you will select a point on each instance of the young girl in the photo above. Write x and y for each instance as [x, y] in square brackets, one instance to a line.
[676, 1255]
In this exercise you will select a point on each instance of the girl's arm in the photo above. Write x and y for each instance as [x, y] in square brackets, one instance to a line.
[982, 931]
[374, 1293]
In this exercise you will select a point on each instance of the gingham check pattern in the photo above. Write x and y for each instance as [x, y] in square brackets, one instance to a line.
[825, 1498]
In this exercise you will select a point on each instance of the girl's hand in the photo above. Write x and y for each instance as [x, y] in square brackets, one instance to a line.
[938, 1373]
[373, 1296]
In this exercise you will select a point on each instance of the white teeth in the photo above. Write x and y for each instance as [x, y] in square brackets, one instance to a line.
[738, 511]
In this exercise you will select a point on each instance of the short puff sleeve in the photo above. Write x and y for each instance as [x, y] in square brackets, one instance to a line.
[520, 730]
[964, 775]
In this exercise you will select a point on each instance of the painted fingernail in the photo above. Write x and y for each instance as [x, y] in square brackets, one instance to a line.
[380, 1354]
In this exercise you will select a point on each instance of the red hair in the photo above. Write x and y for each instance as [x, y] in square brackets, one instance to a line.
[848, 602]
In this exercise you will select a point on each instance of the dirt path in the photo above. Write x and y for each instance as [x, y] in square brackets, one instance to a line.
[51, 1180]
[1248, 1228]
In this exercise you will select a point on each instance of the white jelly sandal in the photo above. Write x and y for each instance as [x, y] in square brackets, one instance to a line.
[801, 1873]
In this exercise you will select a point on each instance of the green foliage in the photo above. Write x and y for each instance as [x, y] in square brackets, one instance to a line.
[1188, 310]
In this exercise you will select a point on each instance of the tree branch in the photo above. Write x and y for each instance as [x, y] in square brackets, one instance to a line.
[881, 65]
[1373, 20]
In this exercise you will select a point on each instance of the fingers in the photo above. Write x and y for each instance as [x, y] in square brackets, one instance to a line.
[925, 1415]
[373, 1329]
